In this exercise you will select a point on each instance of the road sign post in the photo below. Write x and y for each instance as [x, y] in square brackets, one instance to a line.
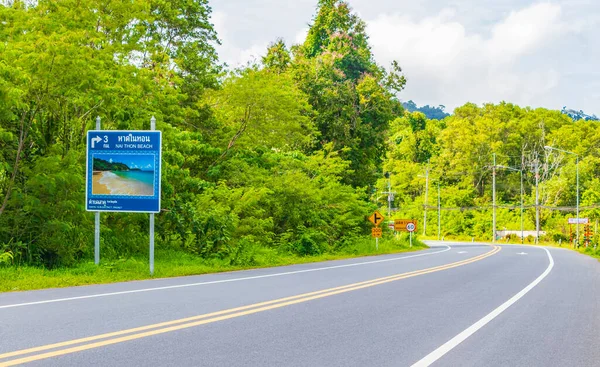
[410, 227]
[97, 219]
[494, 200]
[596, 235]
[376, 232]
[406, 225]
[151, 249]
[376, 218]
[97, 238]
[123, 173]
[402, 225]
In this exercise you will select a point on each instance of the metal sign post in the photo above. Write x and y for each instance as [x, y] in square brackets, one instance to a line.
[123, 174]
[152, 128]
[596, 235]
[439, 213]
[494, 200]
[410, 227]
[376, 218]
[97, 220]
[97, 238]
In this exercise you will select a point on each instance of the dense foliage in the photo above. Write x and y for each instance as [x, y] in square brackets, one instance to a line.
[278, 155]
[458, 154]
[282, 156]
[351, 95]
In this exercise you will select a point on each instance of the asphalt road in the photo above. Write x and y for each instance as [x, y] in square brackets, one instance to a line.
[451, 305]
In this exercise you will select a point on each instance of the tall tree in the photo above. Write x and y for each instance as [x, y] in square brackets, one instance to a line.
[278, 57]
[354, 97]
[260, 109]
[63, 62]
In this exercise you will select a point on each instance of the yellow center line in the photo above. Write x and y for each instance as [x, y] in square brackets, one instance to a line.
[194, 318]
[169, 326]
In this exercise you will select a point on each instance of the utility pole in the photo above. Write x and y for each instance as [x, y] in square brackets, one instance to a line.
[521, 174]
[425, 205]
[577, 168]
[439, 214]
[389, 193]
[537, 201]
[522, 231]
[494, 200]
[390, 197]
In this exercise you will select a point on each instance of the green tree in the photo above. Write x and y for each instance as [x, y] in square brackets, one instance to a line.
[63, 63]
[261, 108]
[278, 57]
[352, 96]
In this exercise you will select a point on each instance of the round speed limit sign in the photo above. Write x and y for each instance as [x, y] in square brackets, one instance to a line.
[410, 227]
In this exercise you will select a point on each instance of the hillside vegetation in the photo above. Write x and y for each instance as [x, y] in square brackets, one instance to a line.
[103, 165]
[458, 153]
[278, 160]
[278, 156]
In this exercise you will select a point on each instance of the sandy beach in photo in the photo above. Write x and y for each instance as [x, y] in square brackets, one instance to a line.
[97, 187]
[109, 183]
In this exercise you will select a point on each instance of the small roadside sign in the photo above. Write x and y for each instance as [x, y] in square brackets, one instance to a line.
[376, 232]
[376, 218]
[401, 225]
[581, 220]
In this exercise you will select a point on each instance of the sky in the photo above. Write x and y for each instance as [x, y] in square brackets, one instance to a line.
[531, 53]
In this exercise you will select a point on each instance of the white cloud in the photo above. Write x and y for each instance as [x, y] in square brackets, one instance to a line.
[300, 36]
[530, 52]
[433, 43]
[524, 30]
[228, 52]
[443, 62]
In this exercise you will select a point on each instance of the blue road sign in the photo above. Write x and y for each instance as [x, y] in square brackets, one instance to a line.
[123, 171]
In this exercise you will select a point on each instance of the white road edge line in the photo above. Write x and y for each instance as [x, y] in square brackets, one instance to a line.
[452, 343]
[218, 281]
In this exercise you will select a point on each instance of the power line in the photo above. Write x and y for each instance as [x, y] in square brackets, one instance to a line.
[530, 206]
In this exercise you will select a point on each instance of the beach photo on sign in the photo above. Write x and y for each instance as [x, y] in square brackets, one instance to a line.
[123, 174]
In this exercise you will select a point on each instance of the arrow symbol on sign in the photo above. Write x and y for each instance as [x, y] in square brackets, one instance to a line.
[521, 253]
[95, 140]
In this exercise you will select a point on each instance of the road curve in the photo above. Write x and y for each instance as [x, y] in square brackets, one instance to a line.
[454, 304]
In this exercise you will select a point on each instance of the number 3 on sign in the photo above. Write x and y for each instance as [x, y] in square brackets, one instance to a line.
[376, 232]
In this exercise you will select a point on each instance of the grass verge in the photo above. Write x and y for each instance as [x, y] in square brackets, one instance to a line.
[177, 263]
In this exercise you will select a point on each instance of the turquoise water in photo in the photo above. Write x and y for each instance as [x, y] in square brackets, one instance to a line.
[146, 177]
